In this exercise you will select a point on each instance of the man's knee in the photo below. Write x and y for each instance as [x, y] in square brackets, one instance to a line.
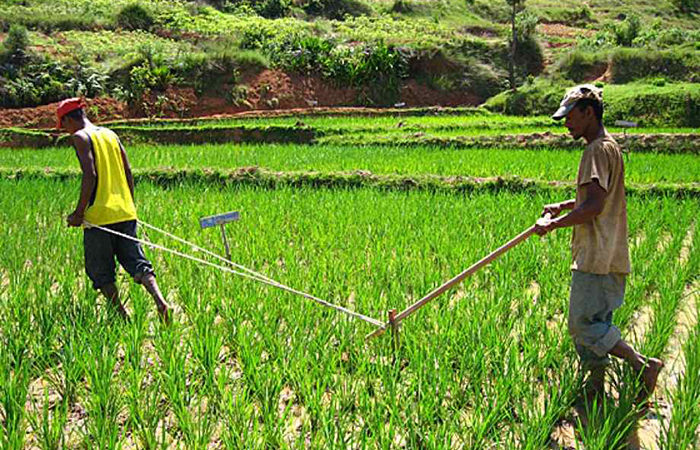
[144, 277]
[577, 327]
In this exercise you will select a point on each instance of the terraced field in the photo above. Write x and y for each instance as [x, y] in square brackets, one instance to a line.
[244, 365]
[544, 164]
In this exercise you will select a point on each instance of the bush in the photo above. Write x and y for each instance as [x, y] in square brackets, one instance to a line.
[15, 49]
[46, 81]
[580, 17]
[633, 64]
[135, 16]
[238, 96]
[657, 34]
[304, 54]
[376, 70]
[579, 64]
[336, 9]
[671, 105]
[250, 60]
[539, 98]
[529, 57]
[402, 7]
[145, 79]
[215, 67]
[687, 5]
[49, 22]
[627, 31]
[272, 9]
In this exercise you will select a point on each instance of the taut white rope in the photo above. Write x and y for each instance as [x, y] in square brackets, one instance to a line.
[205, 251]
[267, 281]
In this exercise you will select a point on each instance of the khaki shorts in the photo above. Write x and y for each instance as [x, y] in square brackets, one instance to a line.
[591, 304]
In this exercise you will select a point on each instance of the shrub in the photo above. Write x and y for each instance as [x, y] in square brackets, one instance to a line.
[336, 9]
[687, 5]
[539, 98]
[15, 49]
[209, 69]
[44, 81]
[238, 96]
[303, 54]
[581, 16]
[272, 9]
[529, 57]
[671, 105]
[402, 7]
[634, 64]
[87, 81]
[628, 30]
[250, 60]
[578, 64]
[219, 4]
[147, 78]
[135, 16]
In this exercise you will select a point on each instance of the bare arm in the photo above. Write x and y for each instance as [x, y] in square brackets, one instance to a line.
[89, 179]
[556, 208]
[127, 170]
[585, 212]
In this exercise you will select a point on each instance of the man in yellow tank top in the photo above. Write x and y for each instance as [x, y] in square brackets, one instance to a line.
[106, 199]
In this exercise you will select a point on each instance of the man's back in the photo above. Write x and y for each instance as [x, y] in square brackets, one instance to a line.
[112, 201]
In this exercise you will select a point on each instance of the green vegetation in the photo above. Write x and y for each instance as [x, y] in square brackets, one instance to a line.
[426, 128]
[545, 165]
[368, 211]
[660, 104]
[372, 46]
[242, 354]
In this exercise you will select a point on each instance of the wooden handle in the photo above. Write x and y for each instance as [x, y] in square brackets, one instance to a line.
[457, 279]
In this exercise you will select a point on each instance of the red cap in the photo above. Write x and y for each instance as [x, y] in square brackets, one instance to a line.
[66, 106]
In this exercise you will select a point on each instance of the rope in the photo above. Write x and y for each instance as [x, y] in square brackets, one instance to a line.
[269, 282]
[205, 251]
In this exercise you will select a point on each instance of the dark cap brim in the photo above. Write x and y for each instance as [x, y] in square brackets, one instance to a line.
[563, 111]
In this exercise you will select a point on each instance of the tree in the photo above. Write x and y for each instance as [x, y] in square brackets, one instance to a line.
[15, 49]
[515, 7]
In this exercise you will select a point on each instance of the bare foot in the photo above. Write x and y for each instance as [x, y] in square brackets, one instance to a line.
[593, 393]
[650, 373]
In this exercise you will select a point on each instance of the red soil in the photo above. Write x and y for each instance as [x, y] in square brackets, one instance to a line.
[268, 90]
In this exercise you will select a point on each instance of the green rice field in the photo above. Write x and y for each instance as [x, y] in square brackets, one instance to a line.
[487, 365]
[535, 164]
[447, 122]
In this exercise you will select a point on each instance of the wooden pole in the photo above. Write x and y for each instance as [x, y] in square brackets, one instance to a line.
[223, 236]
[455, 280]
[394, 329]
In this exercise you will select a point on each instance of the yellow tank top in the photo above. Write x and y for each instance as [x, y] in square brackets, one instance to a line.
[112, 201]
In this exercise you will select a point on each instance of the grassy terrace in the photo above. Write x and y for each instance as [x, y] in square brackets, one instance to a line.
[552, 164]
[459, 123]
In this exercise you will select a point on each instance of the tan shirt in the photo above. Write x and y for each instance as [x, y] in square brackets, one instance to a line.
[600, 246]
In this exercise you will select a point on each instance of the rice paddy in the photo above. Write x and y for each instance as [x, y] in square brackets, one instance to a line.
[488, 365]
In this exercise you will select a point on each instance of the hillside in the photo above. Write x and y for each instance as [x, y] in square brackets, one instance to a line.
[179, 58]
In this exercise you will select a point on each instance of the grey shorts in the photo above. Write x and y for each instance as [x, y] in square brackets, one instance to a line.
[591, 304]
[101, 248]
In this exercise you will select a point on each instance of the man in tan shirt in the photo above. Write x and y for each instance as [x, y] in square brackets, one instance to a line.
[599, 244]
